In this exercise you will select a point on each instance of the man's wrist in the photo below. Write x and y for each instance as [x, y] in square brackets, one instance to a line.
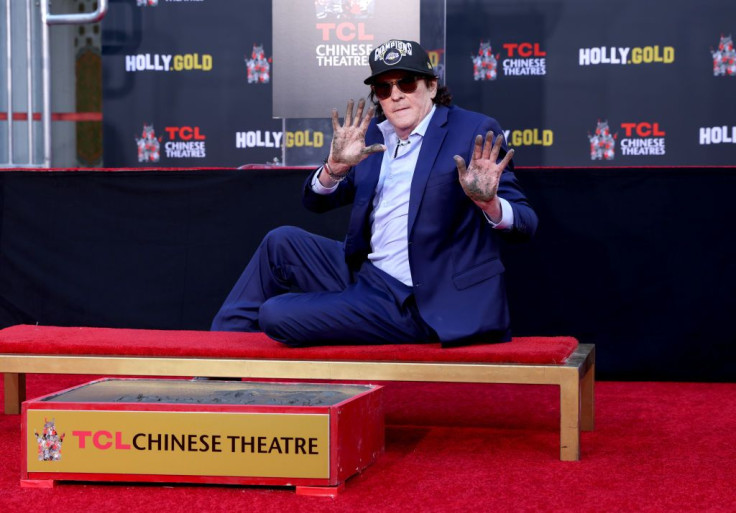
[492, 209]
[506, 222]
[333, 172]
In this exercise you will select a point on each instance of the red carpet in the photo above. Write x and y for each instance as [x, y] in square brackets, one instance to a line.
[657, 447]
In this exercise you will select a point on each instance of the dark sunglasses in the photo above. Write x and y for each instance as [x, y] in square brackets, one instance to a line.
[406, 85]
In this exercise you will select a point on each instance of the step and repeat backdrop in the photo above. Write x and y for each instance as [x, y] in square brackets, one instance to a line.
[226, 83]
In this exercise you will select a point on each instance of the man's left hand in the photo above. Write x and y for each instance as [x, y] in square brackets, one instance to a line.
[480, 179]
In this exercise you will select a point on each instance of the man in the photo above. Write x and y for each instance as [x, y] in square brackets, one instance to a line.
[432, 192]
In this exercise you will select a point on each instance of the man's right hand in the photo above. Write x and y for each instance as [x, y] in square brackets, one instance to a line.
[348, 141]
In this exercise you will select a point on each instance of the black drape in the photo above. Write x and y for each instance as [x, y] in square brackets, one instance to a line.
[640, 262]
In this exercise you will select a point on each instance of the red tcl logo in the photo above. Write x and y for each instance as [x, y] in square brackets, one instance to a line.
[184, 133]
[642, 129]
[524, 49]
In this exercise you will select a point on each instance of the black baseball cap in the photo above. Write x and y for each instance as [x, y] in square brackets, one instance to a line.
[402, 55]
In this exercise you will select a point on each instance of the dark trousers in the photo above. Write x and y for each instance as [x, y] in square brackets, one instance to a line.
[298, 289]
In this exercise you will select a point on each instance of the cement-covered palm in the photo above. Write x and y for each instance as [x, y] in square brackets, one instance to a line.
[348, 140]
[480, 179]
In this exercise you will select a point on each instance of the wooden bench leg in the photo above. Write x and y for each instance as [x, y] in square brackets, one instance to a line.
[15, 392]
[570, 418]
[587, 400]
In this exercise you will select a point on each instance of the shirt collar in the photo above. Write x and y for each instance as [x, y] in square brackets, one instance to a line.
[389, 132]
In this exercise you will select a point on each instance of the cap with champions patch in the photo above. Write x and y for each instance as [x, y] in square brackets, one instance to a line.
[399, 55]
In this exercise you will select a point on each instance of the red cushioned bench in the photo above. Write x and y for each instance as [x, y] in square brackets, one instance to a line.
[559, 361]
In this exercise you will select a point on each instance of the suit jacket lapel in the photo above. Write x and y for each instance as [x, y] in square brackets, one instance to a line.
[368, 177]
[436, 132]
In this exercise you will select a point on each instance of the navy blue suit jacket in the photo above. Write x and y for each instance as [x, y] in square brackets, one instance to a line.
[453, 250]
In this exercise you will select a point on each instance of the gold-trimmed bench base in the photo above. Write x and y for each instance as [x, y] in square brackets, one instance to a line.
[576, 377]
